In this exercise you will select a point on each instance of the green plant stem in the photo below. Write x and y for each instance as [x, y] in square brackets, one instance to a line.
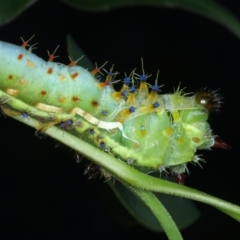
[133, 177]
[159, 211]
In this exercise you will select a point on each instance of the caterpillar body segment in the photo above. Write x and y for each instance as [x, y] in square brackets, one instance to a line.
[155, 131]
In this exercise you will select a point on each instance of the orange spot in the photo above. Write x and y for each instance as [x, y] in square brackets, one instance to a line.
[103, 84]
[196, 140]
[22, 81]
[95, 103]
[95, 71]
[72, 63]
[10, 76]
[30, 64]
[52, 56]
[61, 77]
[50, 70]
[75, 99]
[61, 99]
[24, 44]
[20, 56]
[74, 75]
[43, 93]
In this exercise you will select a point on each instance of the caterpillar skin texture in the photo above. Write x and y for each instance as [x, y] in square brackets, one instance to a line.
[135, 124]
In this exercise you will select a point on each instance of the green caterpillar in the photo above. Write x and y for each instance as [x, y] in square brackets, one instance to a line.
[153, 131]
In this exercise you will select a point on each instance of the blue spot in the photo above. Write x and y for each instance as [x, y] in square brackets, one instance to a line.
[156, 105]
[25, 115]
[69, 122]
[143, 77]
[124, 93]
[110, 73]
[102, 145]
[155, 88]
[132, 109]
[104, 112]
[126, 80]
[132, 89]
[62, 124]
[91, 131]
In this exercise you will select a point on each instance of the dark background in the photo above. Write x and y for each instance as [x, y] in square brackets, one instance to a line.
[44, 194]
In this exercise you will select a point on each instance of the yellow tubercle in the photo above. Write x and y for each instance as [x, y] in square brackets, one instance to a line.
[143, 89]
[143, 131]
[168, 131]
[30, 63]
[152, 97]
[195, 139]
[175, 115]
[117, 95]
[131, 99]
[181, 140]
[149, 109]
[126, 113]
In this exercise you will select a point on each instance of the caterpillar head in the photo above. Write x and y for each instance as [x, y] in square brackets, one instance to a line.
[209, 100]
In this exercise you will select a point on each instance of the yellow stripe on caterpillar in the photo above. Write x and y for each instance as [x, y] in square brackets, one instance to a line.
[48, 108]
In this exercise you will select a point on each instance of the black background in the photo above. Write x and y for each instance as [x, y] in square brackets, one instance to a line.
[44, 194]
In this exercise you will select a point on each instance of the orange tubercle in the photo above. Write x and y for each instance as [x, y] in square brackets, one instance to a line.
[43, 93]
[61, 99]
[61, 77]
[30, 63]
[20, 56]
[103, 84]
[74, 75]
[95, 103]
[22, 81]
[75, 99]
[95, 71]
[50, 70]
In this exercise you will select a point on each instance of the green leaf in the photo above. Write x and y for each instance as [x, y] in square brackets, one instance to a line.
[160, 212]
[205, 8]
[12, 8]
[177, 208]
